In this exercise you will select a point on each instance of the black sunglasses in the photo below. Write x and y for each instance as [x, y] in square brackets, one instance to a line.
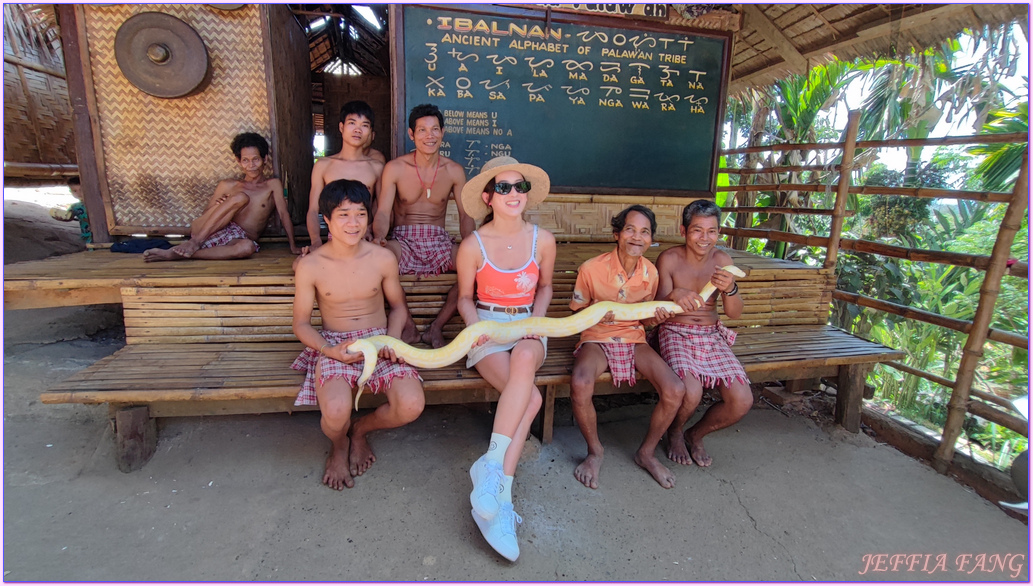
[521, 187]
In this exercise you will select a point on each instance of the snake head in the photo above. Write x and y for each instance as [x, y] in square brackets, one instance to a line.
[734, 270]
[369, 357]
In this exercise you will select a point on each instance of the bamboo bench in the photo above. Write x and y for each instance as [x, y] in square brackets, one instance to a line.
[227, 348]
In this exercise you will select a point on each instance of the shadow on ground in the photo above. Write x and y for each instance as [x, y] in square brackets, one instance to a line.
[239, 498]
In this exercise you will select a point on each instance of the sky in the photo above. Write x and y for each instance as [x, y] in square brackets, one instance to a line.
[960, 126]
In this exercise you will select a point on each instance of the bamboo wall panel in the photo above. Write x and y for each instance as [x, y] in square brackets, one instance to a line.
[53, 117]
[38, 124]
[591, 217]
[291, 94]
[164, 157]
[19, 134]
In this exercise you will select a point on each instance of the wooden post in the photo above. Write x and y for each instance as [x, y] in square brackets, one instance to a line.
[973, 352]
[549, 413]
[399, 123]
[845, 169]
[136, 438]
[88, 148]
[849, 395]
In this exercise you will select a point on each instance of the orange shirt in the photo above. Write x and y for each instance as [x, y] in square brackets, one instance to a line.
[603, 279]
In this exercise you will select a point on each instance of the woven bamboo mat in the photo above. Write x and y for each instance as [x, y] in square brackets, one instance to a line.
[164, 157]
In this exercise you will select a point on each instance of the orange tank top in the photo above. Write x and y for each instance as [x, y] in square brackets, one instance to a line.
[507, 287]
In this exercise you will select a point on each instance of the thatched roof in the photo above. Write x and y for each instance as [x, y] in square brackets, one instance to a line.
[770, 40]
[775, 40]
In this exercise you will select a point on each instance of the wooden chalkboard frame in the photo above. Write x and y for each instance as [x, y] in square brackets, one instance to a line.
[396, 16]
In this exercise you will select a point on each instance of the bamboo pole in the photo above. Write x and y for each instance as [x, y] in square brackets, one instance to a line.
[1012, 422]
[777, 235]
[989, 397]
[776, 210]
[784, 169]
[925, 192]
[975, 261]
[973, 352]
[1016, 137]
[18, 61]
[943, 382]
[959, 325]
[13, 169]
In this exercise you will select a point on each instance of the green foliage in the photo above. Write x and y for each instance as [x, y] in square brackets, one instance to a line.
[905, 98]
[1000, 169]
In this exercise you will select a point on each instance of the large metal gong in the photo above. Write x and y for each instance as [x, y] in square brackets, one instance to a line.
[162, 55]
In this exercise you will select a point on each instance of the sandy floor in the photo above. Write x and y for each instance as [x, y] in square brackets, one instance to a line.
[239, 498]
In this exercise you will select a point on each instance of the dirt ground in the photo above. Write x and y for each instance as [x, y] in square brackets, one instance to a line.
[239, 498]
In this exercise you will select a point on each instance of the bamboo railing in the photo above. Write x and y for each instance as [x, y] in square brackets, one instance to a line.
[964, 399]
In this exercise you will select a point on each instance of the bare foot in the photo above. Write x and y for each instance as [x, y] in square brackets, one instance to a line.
[587, 472]
[186, 249]
[698, 453]
[336, 475]
[158, 254]
[361, 456]
[659, 472]
[433, 337]
[677, 451]
[410, 335]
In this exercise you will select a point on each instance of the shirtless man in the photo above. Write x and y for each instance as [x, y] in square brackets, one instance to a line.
[237, 213]
[622, 275]
[414, 193]
[350, 278]
[354, 161]
[695, 343]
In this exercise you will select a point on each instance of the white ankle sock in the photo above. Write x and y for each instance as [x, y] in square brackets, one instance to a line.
[507, 489]
[497, 448]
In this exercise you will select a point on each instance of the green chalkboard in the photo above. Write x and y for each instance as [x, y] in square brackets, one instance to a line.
[603, 109]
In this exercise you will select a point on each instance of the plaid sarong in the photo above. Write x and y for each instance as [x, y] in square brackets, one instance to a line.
[705, 352]
[620, 359]
[385, 372]
[426, 250]
[231, 232]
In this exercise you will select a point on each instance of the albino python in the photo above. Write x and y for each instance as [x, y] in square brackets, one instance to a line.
[502, 333]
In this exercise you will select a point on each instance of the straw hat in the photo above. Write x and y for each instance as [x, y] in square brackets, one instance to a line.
[475, 206]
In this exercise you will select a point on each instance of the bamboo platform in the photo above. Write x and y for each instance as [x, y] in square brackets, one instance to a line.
[215, 337]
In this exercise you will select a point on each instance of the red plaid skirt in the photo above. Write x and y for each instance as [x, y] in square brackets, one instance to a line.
[231, 232]
[620, 359]
[426, 250]
[385, 372]
[705, 352]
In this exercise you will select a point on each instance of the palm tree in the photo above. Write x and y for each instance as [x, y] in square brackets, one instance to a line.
[1001, 166]
[909, 96]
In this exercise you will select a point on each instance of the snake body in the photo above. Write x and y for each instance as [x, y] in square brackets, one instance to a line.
[504, 333]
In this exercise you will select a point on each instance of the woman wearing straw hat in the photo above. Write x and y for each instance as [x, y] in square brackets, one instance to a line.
[510, 261]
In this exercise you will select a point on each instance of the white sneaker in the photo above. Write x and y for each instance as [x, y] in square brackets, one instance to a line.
[500, 532]
[487, 487]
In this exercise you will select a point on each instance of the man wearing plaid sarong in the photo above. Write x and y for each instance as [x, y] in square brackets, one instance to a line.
[350, 279]
[237, 212]
[623, 276]
[414, 193]
[424, 249]
[695, 343]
